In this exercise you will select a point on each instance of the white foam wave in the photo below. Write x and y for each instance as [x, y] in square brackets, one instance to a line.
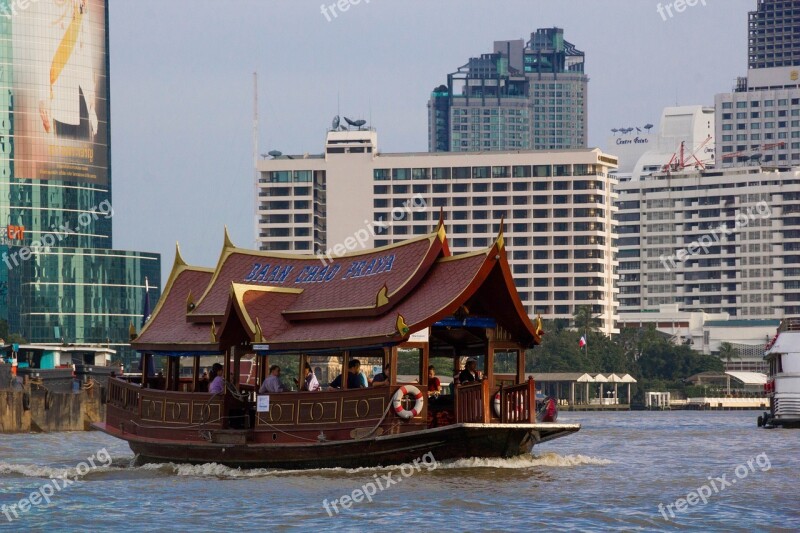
[210, 470]
[48, 472]
[219, 471]
[524, 461]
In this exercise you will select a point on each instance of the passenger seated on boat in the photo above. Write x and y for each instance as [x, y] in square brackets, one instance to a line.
[273, 381]
[310, 382]
[382, 378]
[470, 372]
[218, 383]
[434, 383]
[202, 383]
[353, 379]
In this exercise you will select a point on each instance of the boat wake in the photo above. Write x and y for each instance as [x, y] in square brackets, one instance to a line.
[62, 472]
[218, 471]
[551, 460]
[215, 470]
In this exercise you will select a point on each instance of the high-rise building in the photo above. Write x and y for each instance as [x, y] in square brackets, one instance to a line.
[773, 30]
[522, 96]
[557, 207]
[711, 240]
[759, 122]
[60, 278]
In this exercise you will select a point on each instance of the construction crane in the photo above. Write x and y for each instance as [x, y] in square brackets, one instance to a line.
[679, 161]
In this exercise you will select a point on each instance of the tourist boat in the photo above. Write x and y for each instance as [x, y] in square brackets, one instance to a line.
[783, 382]
[404, 305]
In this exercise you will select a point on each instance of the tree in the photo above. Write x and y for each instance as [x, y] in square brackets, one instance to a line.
[727, 352]
[583, 319]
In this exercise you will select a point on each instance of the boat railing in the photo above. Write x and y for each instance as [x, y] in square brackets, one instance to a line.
[123, 395]
[517, 403]
[472, 403]
[310, 409]
[167, 407]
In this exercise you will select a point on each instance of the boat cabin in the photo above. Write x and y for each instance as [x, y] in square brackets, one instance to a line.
[408, 306]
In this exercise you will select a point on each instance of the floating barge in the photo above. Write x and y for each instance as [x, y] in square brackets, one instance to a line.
[783, 382]
[403, 304]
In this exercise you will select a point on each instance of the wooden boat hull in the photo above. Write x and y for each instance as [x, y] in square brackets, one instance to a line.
[455, 441]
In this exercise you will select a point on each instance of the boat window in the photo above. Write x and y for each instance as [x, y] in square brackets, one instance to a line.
[480, 358]
[326, 367]
[371, 365]
[409, 361]
[505, 361]
[290, 368]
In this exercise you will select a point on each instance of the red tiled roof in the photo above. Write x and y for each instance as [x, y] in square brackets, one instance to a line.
[438, 295]
[167, 324]
[281, 301]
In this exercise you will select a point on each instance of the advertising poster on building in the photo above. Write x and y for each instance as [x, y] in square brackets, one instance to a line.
[60, 106]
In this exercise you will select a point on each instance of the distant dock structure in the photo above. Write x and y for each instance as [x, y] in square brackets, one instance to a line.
[580, 391]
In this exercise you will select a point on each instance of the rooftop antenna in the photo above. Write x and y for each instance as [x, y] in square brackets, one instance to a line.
[255, 159]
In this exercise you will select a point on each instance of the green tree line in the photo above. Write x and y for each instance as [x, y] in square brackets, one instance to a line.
[645, 354]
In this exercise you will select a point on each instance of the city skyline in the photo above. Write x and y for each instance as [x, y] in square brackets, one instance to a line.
[182, 99]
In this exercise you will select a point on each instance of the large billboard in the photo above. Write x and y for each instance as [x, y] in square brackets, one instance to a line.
[60, 90]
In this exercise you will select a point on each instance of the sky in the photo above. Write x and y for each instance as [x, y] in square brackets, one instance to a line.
[181, 76]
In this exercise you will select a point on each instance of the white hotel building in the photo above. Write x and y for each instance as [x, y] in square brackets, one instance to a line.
[671, 247]
[558, 208]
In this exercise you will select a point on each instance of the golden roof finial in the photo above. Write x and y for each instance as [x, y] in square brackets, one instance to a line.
[501, 242]
[228, 243]
[213, 331]
[179, 261]
[259, 336]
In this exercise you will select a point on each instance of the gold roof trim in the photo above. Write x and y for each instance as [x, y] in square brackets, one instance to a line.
[178, 266]
[237, 293]
[382, 299]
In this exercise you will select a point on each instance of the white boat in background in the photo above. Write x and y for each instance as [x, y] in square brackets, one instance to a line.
[783, 382]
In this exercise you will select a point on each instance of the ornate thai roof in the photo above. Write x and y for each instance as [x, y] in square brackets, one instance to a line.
[167, 324]
[366, 298]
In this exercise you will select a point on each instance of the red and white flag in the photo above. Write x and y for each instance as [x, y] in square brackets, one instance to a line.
[582, 342]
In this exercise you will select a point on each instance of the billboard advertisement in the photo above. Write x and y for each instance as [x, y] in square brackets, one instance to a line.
[60, 90]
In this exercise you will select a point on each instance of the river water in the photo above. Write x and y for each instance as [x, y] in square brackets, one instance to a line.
[614, 473]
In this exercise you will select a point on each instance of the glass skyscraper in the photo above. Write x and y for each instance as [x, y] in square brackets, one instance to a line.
[60, 278]
[522, 96]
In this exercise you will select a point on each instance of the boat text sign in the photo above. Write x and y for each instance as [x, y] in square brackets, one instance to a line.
[262, 404]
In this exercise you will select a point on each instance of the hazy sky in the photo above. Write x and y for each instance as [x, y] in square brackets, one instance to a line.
[181, 87]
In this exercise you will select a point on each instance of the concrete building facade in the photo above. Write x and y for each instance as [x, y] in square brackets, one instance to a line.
[557, 206]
